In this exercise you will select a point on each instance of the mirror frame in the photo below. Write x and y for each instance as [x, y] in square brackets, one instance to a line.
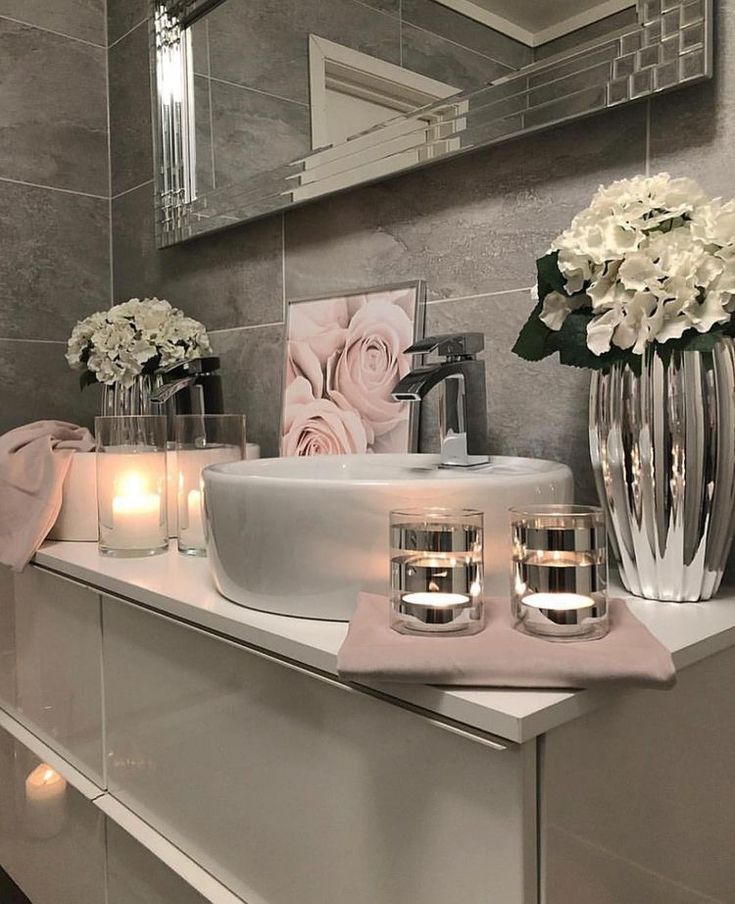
[670, 46]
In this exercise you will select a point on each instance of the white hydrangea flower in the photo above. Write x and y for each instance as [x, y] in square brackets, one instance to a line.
[118, 345]
[653, 256]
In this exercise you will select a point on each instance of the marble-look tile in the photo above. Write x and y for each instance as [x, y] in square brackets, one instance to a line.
[131, 142]
[385, 6]
[55, 265]
[228, 279]
[83, 19]
[253, 130]
[265, 45]
[446, 61]
[122, 15]
[468, 226]
[693, 128]
[53, 110]
[447, 23]
[535, 409]
[37, 384]
[252, 371]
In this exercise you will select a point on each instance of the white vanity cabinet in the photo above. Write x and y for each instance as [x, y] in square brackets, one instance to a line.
[52, 844]
[51, 663]
[135, 876]
[238, 769]
[289, 787]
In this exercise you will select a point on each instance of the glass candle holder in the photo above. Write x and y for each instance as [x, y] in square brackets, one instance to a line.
[436, 571]
[201, 440]
[131, 485]
[559, 572]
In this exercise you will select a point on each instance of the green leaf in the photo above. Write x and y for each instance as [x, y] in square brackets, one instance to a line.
[87, 378]
[550, 278]
[532, 340]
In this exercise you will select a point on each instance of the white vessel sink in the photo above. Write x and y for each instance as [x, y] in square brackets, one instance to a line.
[302, 536]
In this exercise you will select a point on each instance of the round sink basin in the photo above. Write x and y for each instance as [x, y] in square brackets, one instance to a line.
[303, 536]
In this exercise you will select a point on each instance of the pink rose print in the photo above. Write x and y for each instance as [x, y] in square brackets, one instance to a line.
[314, 426]
[363, 374]
[316, 332]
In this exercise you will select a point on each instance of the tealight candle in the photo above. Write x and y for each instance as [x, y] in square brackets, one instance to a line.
[432, 608]
[45, 793]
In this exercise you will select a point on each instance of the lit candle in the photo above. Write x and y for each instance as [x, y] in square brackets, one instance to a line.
[45, 802]
[136, 513]
[550, 613]
[437, 600]
[558, 602]
[194, 533]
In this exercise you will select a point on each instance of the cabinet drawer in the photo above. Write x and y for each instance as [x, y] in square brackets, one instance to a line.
[50, 663]
[52, 838]
[135, 876]
[288, 788]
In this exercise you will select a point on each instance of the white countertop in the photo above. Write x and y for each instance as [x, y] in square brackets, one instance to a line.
[181, 586]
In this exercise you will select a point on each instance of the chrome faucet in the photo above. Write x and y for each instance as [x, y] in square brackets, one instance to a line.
[463, 410]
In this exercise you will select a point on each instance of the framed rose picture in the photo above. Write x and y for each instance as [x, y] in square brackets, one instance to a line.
[344, 355]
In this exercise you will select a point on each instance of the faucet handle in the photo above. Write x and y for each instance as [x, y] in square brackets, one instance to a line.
[449, 345]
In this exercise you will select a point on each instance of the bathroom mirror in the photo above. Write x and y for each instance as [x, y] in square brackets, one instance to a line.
[264, 104]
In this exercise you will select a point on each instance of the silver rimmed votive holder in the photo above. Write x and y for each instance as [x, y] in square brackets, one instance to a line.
[436, 571]
[201, 440]
[559, 572]
[131, 485]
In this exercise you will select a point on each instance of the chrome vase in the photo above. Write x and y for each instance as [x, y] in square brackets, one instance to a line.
[663, 452]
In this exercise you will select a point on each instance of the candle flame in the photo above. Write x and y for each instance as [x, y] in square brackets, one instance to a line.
[132, 484]
[44, 774]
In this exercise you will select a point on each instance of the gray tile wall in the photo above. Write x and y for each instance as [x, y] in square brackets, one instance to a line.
[471, 227]
[54, 200]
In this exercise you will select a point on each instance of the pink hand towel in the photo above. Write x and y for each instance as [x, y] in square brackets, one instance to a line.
[34, 461]
[500, 656]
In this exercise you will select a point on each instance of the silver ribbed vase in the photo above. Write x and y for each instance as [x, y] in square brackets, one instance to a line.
[663, 453]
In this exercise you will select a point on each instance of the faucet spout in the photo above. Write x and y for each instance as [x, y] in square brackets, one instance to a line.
[420, 381]
[463, 409]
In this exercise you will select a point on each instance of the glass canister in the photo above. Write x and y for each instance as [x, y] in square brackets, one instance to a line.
[559, 572]
[436, 571]
[131, 485]
[201, 440]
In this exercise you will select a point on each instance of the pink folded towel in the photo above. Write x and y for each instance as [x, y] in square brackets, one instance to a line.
[34, 461]
[500, 656]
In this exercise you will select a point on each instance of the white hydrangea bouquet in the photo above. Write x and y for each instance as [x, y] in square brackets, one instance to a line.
[141, 336]
[649, 264]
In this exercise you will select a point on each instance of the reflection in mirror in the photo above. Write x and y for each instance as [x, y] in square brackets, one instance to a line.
[263, 104]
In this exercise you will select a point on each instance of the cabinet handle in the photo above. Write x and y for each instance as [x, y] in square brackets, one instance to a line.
[453, 727]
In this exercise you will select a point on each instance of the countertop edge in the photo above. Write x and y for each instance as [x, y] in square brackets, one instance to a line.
[516, 715]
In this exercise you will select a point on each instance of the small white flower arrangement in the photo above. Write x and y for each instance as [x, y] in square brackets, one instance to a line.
[650, 263]
[141, 336]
